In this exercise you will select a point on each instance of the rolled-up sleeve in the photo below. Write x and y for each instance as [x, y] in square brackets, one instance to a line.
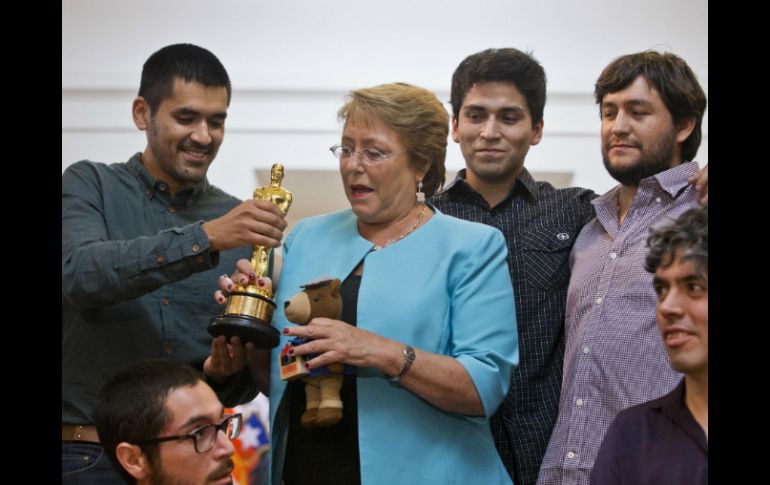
[483, 323]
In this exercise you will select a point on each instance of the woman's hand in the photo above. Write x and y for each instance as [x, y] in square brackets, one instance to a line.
[439, 379]
[243, 275]
[337, 341]
[229, 358]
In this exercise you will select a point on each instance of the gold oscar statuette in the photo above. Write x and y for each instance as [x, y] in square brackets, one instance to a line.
[249, 309]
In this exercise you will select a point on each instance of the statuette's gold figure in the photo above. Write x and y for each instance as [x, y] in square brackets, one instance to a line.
[278, 196]
[249, 309]
[274, 192]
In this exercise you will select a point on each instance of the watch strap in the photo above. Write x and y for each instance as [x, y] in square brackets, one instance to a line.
[409, 356]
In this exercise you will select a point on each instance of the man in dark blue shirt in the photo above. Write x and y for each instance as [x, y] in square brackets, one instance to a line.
[665, 441]
[141, 242]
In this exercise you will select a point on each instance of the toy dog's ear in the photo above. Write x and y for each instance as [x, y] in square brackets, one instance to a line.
[335, 284]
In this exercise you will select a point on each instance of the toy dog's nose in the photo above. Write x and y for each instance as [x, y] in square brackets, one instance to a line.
[286, 304]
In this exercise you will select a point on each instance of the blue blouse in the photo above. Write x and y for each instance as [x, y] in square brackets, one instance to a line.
[443, 289]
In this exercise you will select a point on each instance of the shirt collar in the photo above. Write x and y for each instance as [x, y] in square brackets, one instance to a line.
[155, 187]
[674, 407]
[672, 403]
[524, 185]
[672, 181]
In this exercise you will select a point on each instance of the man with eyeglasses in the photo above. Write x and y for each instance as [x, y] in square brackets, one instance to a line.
[159, 422]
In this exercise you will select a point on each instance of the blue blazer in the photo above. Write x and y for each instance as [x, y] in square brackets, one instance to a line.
[445, 289]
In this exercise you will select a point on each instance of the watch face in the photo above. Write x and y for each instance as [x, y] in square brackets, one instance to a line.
[409, 353]
[409, 356]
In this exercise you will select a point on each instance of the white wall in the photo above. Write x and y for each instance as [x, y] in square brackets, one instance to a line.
[291, 63]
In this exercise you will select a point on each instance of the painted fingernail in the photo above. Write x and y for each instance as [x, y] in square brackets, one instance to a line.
[230, 286]
[221, 299]
[261, 282]
[286, 331]
[291, 351]
[252, 277]
[307, 365]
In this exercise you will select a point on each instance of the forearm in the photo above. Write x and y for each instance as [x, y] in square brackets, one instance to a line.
[97, 272]
[237, 389]
[439, 379]
[259, 367]
[442, 381]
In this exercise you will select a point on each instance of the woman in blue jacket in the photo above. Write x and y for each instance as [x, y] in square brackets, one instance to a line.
[428, 314]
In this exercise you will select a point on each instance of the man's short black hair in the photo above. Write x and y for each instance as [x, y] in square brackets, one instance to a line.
[506, 65]
[184, 61]
[132, 405]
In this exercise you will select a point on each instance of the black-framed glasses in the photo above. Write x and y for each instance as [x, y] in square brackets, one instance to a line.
[204, 437]
[368, 155]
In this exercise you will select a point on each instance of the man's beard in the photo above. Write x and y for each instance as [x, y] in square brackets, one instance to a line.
[653, 160]
[157, 476]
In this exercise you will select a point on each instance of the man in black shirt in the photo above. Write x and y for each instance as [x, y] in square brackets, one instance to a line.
[498, 97]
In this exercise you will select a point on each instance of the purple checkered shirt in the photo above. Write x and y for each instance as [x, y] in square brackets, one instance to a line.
[614, 356]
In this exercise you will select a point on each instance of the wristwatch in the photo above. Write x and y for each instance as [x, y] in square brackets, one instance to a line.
[409, 357]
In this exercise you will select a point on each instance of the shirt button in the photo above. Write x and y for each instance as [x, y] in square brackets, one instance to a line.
[657, 199]
[579, 402]
[171, 209]
[148, 192]
[599, 300]
[613, 255]
[160, 259]
[571, 455]
[586, 349]
[165, 300]
[196, 248]
[162, 187]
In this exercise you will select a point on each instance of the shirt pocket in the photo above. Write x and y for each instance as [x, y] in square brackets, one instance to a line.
[545, 253]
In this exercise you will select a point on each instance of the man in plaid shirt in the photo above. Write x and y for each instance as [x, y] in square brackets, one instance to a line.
[651, 107]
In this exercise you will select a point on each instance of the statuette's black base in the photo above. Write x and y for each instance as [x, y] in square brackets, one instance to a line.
[249, 329]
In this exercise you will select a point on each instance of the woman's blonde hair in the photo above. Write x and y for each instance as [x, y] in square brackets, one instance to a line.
[419, 118]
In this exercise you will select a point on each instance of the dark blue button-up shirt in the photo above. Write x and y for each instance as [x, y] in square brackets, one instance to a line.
[138, 277]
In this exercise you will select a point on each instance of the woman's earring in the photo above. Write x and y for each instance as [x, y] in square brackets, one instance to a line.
[420, 193]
